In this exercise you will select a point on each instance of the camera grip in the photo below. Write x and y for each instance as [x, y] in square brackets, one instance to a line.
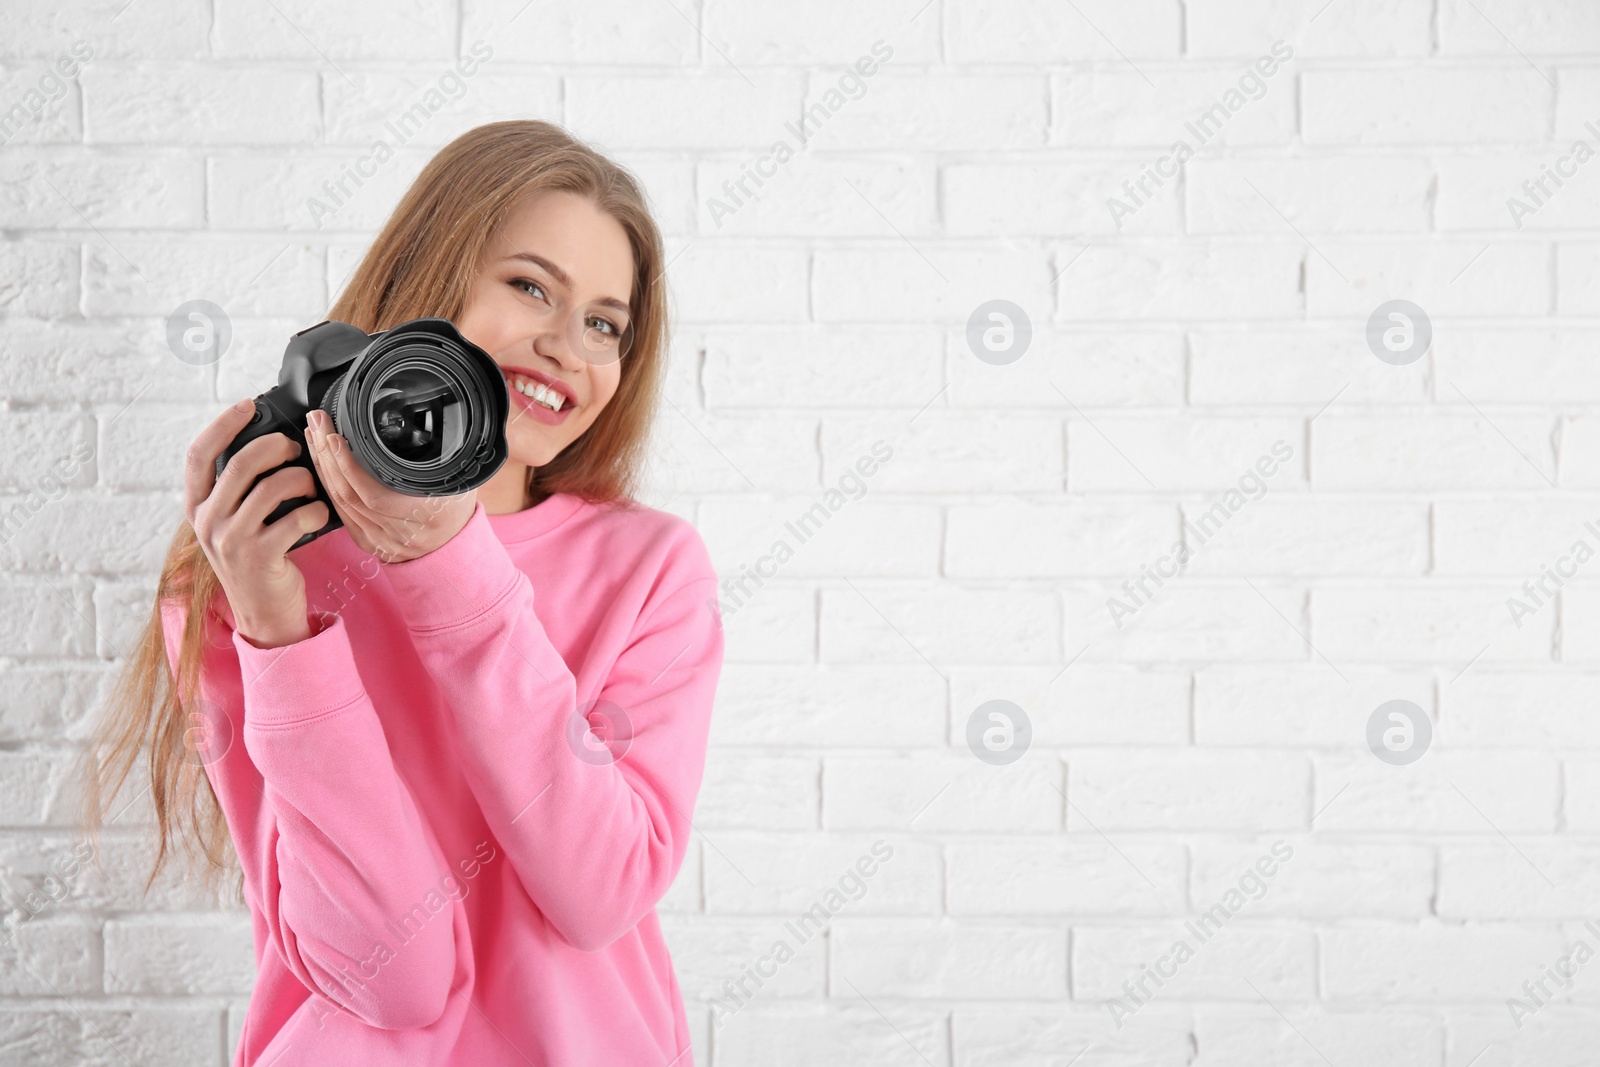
[261, 424]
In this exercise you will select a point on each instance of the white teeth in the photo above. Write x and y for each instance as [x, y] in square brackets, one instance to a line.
[538, 392]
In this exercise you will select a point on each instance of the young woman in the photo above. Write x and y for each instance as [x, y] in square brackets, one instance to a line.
[455, 747]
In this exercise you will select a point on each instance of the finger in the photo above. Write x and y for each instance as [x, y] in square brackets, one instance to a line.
[274, 489]
[379, 500]
[376, 496]
[334, 482]
[362, 526]
[200, 462]
[260, 455]
[361, 532]
[307, 518]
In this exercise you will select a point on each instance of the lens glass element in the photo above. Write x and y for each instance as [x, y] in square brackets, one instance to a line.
[417, 415]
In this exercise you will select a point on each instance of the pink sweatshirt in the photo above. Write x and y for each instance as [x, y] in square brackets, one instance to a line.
[444, 863]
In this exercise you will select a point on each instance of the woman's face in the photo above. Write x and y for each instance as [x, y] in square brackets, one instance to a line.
[558, 253]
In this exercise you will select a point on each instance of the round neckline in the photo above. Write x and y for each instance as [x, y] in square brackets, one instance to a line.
[533, 522]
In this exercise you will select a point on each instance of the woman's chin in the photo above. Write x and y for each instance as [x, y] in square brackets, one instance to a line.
[529, 457]
[526, 461]
[529, 447]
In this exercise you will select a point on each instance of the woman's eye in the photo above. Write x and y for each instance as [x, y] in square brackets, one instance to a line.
[607, 323]
[518, 283]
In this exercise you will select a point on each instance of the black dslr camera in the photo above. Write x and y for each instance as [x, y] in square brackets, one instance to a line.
[423, 408]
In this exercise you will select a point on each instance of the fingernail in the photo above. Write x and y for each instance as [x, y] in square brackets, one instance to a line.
[335, 444]
[247, 404]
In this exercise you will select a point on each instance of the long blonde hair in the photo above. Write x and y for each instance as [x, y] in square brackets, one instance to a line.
[421, 265]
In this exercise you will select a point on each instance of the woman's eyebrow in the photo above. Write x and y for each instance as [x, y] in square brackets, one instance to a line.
[566, 279]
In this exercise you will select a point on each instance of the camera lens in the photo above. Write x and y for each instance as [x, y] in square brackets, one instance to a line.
[424, 410]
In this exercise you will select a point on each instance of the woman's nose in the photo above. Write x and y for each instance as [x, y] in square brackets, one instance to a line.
[558, 342]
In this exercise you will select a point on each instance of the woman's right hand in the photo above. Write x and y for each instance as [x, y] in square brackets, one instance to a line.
[266, 592]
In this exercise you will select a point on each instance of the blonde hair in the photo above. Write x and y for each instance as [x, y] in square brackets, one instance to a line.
[421, 265]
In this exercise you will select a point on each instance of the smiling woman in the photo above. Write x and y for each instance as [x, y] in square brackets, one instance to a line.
[532, 670]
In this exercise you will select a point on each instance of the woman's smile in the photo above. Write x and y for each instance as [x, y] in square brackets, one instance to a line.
[545, 398]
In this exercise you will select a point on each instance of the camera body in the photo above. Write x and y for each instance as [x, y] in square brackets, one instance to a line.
[420, 381]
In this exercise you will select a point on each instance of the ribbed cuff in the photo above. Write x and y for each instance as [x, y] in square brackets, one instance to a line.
[301, 680]
[456, 582]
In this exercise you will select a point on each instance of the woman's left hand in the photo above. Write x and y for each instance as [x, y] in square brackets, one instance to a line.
[392, 526]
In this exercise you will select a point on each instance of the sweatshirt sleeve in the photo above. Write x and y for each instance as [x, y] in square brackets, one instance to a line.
[590, 795]
[330, 838]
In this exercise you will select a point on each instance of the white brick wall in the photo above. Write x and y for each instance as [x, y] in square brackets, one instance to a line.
[1226, 313]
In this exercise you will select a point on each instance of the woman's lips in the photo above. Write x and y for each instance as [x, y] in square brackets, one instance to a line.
[539, 376]
[535, 410]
